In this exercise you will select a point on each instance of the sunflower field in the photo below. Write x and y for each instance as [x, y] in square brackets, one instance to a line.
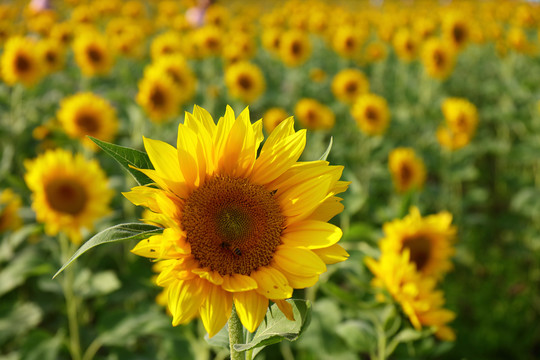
[293, 179]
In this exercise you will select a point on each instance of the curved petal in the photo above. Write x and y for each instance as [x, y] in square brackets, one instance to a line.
[143, 196]
[272, 283]
[311, 234]
[298, 261]
[238, 282]
[215, 309]
[332, 254]
[163, 157]
[185, 299]
[212, 276]
[329, 208]
[251, 308]
[286, 308]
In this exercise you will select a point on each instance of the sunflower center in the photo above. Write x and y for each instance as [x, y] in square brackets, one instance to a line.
[66, 196]
[177, 78]
[405, 173]
[371, 114]
[296, 48]
[420, 250]
[157, 97]
[212, 43]
[311, 117]
[349, 43]
[351, 87]
[459, 34]
[461, 122]
[245, 82]
[87, 122]
[232, 225]
[94, 55]
[22, 63]
[50, 57]
[409, 46]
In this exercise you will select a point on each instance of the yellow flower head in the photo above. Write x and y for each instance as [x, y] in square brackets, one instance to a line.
[245, 81]
[86, 114]
[62, 33]
[415, 293]
[126, 37]
[159, 96]
[168, 43]
[52, 55]
[294, 47]
[239, 227]
[406, 44]
[92, 53]
[10, 203]
[428, 239]
[456, 30]
[408, 170]
[83, 14]
[241, 47]
[375, 51]
[371, 114]
[209, 40]
[348, 84]
[313, 115]
[216, 15]
[177, 68]
[69, 193]
[348, 40]
[271, 39]
[273, 117]
[20, 63]
[438, 58]
[461, 115]
[451, 140]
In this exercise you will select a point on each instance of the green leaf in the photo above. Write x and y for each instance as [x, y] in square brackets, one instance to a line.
[359, 335]
[21, 319]
[406, 336]
[127, 157]
[220, 340]
[277, 327]
[327, 152]
[122, 232]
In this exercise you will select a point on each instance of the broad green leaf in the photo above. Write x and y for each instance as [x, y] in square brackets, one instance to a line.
[24, 264]
[131, 327]
[19, 320]
[127, 157]
[88, 284]
[220, 340]
[276, 327]
[40, 345]
[327, 151]
[122, 232]
[359, 335]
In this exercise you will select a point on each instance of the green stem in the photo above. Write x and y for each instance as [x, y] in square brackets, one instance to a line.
[381, 343]
[71, 300]
[236, 335]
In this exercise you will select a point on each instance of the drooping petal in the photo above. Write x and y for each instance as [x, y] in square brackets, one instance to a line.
[238, 282]
[332, 254]
[311, 234]
[299, 261]
[286, 308]
[212, 276]
[185, 299]
[329, 208]
[143, 196]
[272, 283]
[251, 308]
[215, 309]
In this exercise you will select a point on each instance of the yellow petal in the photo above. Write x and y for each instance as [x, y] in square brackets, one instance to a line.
[251, 308]
[286, 308]
[143, 196]
[238, 282]
[176, 188]
[272, 283]
[215, 309]
[329, 208]
[164, 158]
[311, 234]
[283, 130]
[185, 299]
[187, 143]
[298, 261]
[212, 276]
[332, 254]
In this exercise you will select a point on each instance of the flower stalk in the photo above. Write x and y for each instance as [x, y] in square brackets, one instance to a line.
[236, 335]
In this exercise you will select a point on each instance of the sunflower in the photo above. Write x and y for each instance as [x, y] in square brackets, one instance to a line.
[461, 115]
[238, 228]
[429, 240]
[415, 293]
[20, 63]
[209, 40]
[68, 192]
[438, 58]
[456, 30]
[406, 44]
[177, 68]
[375, 51]
[294, 47]
[52, 55]
[126, 37]
[273, 117]
[245, 81]
[62, 33]
[271, 39]
[159, 96]
[348, 84]
[371, 114]
[217, 15]
[348, 40]
[10, 204]
[313, 115]
[92, 53]
[86, 114]
[408, 171]
[83, 14]
[168, 43]
[240, 48]
[450, 139]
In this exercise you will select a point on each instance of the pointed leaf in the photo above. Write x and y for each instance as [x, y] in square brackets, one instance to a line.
[220, 340]
[122, 232]
[125, 157]
[327, 152]
[276, 327]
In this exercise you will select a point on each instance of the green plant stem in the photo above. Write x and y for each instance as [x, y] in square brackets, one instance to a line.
[236, 335]
[71, 300]
[381, 342]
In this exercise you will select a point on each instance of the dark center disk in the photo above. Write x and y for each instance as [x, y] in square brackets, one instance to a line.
[232, 225]
[66, 196]
[420, 250]
[22, 63]
[245, 82]
[157, 97]
[94, 55]
[87, 122]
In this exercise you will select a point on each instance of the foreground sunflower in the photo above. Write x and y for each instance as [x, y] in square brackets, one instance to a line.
[238, 228]
[68, 192]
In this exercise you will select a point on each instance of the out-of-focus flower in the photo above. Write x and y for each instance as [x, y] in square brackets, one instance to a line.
[168, 43]
[179, 71]
[69, 193]
[348, 40]
[10, 203]
[348, 84]
[294, 47]
[20, 64]
[233, 233]
[408, 170]
[52, 55]
[456, 30]
[371, 114]
[438, 58]
[158, 95]
[86, 114]
[406, 44]
[92, 53]
[245, 81]
[273, 117]
[209, 40]
[313, 115]
[460, 115]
